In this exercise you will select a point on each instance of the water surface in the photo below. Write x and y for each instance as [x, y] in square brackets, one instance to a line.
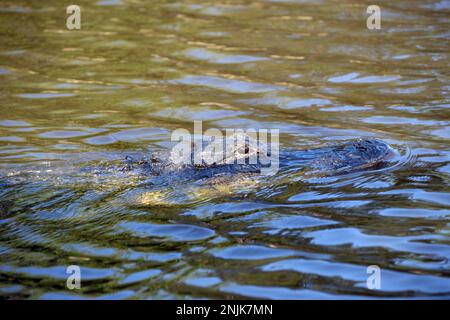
[137, 70]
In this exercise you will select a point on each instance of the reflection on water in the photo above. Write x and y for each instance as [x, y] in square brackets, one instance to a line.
[139, 69]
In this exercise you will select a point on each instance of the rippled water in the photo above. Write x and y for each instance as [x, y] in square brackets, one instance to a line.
[138, 69]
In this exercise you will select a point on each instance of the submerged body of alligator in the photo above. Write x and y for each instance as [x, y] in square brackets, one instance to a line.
[338, 158]
[164, 179]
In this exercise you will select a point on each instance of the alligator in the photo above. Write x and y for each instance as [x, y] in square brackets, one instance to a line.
[166, 179]
[337, 158]
[163, 178]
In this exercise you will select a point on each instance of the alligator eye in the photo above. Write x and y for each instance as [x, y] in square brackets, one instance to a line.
[244, 150]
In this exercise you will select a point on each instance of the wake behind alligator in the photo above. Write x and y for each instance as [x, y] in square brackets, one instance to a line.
[163, 181]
